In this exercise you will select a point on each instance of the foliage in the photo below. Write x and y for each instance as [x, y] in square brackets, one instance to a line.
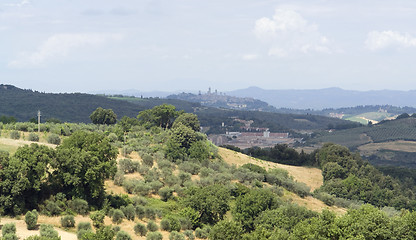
[104, 233]
[226, 230]
[122, 235]
[54, 139]
[211, 202]
[103, 116]
[8, 228]
[67, 221]
[249, 206]
[188, 119]
[97, 218]
[161, 116]
[152, 226]
[166, 193]
[176, 236]
[84, 161]
[14, 134]
[118, 216]
[33, 137]
[47, 230]
[154, 236]
[31, 219]
[84, 226]
[79, 206]
[140, 229]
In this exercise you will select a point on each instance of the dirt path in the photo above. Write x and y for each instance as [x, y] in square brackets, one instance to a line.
[310, 176]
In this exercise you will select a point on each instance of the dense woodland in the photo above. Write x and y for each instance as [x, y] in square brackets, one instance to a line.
[198, 194]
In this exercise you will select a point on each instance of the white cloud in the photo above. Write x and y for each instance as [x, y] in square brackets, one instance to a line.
[21, 4]
[288, 33]
[61, 45]
[249, 57]
[389, 39]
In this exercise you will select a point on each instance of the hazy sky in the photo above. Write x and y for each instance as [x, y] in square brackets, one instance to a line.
[87, 45]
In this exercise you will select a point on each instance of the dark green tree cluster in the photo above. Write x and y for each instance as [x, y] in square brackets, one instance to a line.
[103, 116]
[77, 168]
[347, 176]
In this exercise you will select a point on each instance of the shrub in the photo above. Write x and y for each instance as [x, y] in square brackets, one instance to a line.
[8, 228]
[52, 207]
[174, 223]
[82, 232]
[155, 186]
[183, 177]
[122, 235]
[152, 226]
[33, 137]
[139, 201]
[201, 233]
[54, 139]
[79, 206]
[147, 159]
[119, 178]
[97, 218]
[84, 226]
[31, 219]
[154, 236]
[14, 134]
[116, 229]
[190, 167]
[165, 193]
[47, 231]
[165, 225]
[176, 236]
[189, 234]
[140, 229]
[150, 213]
[140, 212]
[128, 166]
[10, 236]
[67, 221]
[118, 216]
[129, 212]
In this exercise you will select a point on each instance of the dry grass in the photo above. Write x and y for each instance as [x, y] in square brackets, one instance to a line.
[312, 203]
[402, 146]
[310, 176]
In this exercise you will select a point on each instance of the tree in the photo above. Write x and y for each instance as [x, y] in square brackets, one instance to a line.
[188, 119]
[83, 162]
[161, 116]
[22, 177]
[180, 140]
[226, 230]
[211, 202]
[103, 116]
[249, 206]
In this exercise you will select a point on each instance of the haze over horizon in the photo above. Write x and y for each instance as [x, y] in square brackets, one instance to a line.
[182, 45]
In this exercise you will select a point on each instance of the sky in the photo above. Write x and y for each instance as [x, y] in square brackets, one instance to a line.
[191, 45]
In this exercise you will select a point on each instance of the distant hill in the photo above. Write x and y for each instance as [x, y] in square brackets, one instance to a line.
[23, 104]
[327, 98]
[224, 101]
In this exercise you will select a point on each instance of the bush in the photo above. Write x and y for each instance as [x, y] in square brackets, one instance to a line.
[79, 206]
[129, 212]
[201, 233]
[116, 229]
[122, 235]
[67, 221]
[165, 193]
[47, 231]
[97, 218]
[165, 225]
[54, 139]
[8, 228]
[140, 212]
[176, 236]
[147, 159]
[82, 232]
[190, 167]
[150, 213]
[189, 234]
[84, 226]
[139, 201]
[15, 135]
[10, 236]
[118, 216]
[31, 219]
[119, 178]
[33, 137]
[152, 226]
[154, 236]
[140, 229]
[128, 166]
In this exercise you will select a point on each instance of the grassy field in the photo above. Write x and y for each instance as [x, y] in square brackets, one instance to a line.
[402, 146]
[363, 118]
